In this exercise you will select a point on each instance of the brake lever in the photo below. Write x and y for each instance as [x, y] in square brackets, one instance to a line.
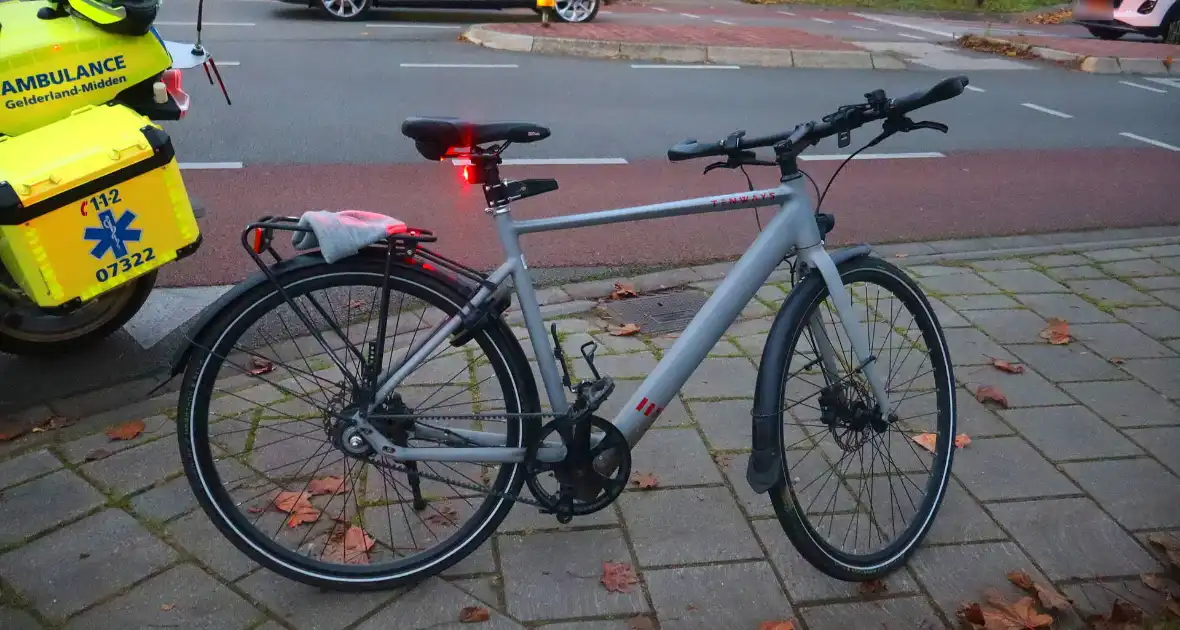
[929, 124]
[738, 160]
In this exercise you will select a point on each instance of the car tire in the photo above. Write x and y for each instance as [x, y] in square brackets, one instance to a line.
[1172, 32]
[576, 11]
[1109, 34]
[344, 10]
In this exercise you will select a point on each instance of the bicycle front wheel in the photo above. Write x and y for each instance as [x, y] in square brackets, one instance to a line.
[860, 489]
[262, 423]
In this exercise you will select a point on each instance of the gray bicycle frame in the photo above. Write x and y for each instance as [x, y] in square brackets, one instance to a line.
[792, 230]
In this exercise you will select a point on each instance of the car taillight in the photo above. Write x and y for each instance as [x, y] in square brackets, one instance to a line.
[174, 82]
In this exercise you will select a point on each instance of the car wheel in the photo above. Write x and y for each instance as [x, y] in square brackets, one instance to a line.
[1105, 33]
[345, 10]
[577, 11]
[1172, 32]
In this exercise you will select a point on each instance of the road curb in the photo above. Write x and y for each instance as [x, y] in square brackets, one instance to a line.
[1089, 63]
[484, 35]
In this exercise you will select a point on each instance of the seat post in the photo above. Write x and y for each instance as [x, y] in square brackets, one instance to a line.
[487, 172]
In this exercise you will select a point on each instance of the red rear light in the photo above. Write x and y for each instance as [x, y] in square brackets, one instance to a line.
[259, 241]
[174, 82]
[467, 173]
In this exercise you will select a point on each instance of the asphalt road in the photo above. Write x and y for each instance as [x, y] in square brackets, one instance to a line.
[317, 108]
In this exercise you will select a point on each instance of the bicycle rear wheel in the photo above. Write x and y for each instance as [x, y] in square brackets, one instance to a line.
[826, 422]
[265, 457]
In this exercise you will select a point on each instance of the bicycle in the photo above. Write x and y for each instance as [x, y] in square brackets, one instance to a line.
[367, 417]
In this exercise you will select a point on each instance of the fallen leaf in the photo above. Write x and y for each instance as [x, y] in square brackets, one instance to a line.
[777, 625]
[1170, 545]
[1122, 611]
[926, 441]
[258, 367]
[1057, 332]
[1161, 584]
[625, 329]
[623, 291]
[1051, 599]
[962, 440]
[872, 587]
[326, 485]
[691, 607]
[53, 423]
[355, 304]
[444, 515]
[972, 614]
[10, 430]
[644, 623]
[1005, 366]
[97, 454]
[645, 480]
[254, 509]
[722, 459]
[474, 614]
[167, 607]
[618, 577]
[1052, 17]
[127, 430]
[991, 393]
[1118, 360]
[1022, 613]
[1021, 579]
[349, 544]
[900, 255]
[297, 506]
[1173, 607]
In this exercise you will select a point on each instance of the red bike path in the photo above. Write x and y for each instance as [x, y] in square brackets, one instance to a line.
[969, 194]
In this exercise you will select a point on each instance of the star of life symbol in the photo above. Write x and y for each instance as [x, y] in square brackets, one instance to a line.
[114, 234]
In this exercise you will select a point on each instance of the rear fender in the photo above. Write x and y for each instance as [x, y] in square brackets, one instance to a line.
[764, 470]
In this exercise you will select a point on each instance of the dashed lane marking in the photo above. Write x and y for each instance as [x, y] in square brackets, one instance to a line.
[209, 166]
[689, 15]
[786, 13]
[917, 37]
[641, 66]
[864, 28]
[725, 23]
[448, 27]
[1046, 110]
[1169, 82]
[660, 9]
[1144, 87]
[898, 24]
[1154, 143]
[823, 21]
[459, 65]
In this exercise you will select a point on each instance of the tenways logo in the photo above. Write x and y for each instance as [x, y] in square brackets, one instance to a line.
[63, 76]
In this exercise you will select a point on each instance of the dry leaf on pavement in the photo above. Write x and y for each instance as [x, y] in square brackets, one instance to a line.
[474, 614]
[962, 440]
[872, 587]
[991, 393]
[326, 485]
[641, 623]
[926, 441]
[1052, 17]
[96, 454]
[1021, 614]
[1161, 584]
[258, 367]
[789, 624]
[1005, 366]
[645, 480]
[1170, 545]
[167, 607]
[624, 330]
[53, 423]
[1057, 332]
[127, 430]
[1051, 599]
[444, 515]
[1021, 579]
[1118, 360]
[623, 291]
[1123, 612]
[298, 506]
[348, 544]
[618, 577]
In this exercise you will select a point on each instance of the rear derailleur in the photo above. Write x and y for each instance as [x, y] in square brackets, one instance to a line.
[595, 468]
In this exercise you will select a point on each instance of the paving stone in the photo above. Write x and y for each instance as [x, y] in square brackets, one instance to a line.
[197, 535]
[981, 302]
[1028, 389]
[720, 596]
[44, 503]
[1153, 283]
[617, 624]
[607, 342]
[1008, 326]
[687, 525]
[1151, 501]
[75, 452]
[1113, 292]
[960, 518]
[1002, 264]
[165, 502]
[733, 466]
[751, 345]
[1163, 442]
[1122, 253]
[555, 575]
[677, 456]
[13, 619]
[1160, 250]
[1098, 598]
[1161, 322]
[756, 309]
[24, 467]
[305, 606]
[1073, 432]
[726, 423]
[1125, 404]
[772, 294]
[433, 604]
[1170, 297]
[1072, 538]
[1119, 340]
[1071, 308]
[805, 583]
[1163, 375]
[1136, 268]
[485, 589]
[135, 469]
[960, 573]
[1024, 281]
[1008, 468]
[931, 271]
[1059, 260]
[872, 614]
[1082, 272]
[968, 346]
[749, 327]
[529, 519]
[1172, 262]
[724, 348]
[192, 598]
[975, 419]
[635, 365]
[673, 414]
[1066, 363]
[957, 284]
[81, 563]
[721, 378]
[947, 317]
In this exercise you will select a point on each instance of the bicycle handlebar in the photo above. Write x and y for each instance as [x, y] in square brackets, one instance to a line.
[812, 132]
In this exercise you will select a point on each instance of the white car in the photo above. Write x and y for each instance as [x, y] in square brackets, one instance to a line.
[1111, 19]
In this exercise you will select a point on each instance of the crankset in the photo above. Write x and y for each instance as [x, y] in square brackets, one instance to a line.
[582, 488]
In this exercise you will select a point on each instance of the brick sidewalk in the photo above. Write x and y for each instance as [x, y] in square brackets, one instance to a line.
[1066, 484]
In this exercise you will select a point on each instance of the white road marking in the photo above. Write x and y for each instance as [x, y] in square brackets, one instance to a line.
[1169, 82]
[660, 9]
[209, 166]
[823, 21]
[1154, 143]
[448, 27]
[1046, 110]
[917, 37]
[1144, 87]
[725, 23]
[864, 28]
[459, 65]
[689, 15]
[975, 89]
[786, 13]
[871, 156]
[225, 64]
[550, 161]
[167, 309]
[639, 66]
[204, 24]
[903, 25]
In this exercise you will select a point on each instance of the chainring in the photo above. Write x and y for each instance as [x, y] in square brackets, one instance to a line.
[583, 489]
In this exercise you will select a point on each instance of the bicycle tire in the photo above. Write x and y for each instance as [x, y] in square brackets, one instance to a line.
[777, 355]
[496, 339]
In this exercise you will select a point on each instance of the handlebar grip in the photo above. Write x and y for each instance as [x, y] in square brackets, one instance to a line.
[690, 149]
[943, 90]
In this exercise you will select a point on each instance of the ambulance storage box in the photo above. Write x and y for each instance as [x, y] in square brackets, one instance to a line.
[90, 202]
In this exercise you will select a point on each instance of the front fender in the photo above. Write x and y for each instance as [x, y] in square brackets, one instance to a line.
[764, 470]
